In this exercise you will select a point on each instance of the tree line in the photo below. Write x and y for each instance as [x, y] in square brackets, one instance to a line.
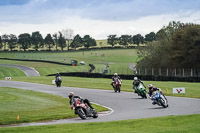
[126, 40]
[60, 39]
[65, 38]
[177, 46]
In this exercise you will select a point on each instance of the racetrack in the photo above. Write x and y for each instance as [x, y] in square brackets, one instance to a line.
[125, 105]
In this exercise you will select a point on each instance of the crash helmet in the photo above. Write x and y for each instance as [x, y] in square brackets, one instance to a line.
[135, 78]
[70, 95]
[150, 86]
[115, 74]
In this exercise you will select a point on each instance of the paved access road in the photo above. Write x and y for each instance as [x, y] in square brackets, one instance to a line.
[27, 70]
[125, 105]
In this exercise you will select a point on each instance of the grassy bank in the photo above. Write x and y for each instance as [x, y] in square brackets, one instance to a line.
[10, 72]
[168, 124]
[33, 106]
[118, 60]
[192, 89]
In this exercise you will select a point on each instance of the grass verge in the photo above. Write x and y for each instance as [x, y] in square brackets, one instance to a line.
[167, 124]
[33, 106]
[10, 72]
[192, 89]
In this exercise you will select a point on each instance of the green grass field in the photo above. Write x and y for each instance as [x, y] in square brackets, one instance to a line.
[10, 72]
[167, 124]
[118, 60]
[33, 106]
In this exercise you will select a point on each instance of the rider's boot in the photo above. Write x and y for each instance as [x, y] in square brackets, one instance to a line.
[154, 102]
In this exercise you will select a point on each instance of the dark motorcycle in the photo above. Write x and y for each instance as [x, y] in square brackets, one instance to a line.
[117, 85]
[58, 81]
[83, 110]
[160, 99]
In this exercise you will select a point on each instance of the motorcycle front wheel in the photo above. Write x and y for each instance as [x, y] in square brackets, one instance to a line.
[95, 115]
[81, 113]
[163, 103]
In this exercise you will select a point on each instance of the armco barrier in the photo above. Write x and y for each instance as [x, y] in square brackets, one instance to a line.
[130, 77]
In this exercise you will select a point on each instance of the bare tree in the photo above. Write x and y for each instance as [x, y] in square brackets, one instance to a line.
[68, 35]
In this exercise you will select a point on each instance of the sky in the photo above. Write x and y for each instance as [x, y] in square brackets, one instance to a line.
[97, 18]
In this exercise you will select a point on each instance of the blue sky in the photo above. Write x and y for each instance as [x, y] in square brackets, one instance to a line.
[98, 18]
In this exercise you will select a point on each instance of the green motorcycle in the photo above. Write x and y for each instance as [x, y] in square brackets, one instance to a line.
[141, 90]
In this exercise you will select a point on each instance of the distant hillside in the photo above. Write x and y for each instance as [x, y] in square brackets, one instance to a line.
[101, 42]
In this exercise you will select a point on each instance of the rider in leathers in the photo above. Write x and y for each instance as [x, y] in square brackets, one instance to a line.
[153, 92]
[114, 78]
[136, 83]
[72, 100]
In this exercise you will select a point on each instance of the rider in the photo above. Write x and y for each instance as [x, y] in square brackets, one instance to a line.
[153, 91]
[58, 79]
[57, 75]
[114, 78]
[136, 83]
[72, 100]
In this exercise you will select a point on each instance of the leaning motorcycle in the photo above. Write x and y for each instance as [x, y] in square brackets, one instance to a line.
[141, 90]
[160, 99]
[83, 110]
[117, 85]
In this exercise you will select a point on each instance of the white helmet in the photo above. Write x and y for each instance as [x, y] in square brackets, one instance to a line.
[135, 78]
[71, 94]
[115, 74]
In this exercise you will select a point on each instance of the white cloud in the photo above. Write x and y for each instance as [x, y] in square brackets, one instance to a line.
[100, 29]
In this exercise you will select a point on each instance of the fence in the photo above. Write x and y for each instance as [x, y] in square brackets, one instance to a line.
[169, 72]
[164, 72]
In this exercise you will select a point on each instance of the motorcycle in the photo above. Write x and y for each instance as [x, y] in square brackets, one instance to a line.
[141, 90]
[117, 85]
[159, 99]
[83, 110]
[58, 81]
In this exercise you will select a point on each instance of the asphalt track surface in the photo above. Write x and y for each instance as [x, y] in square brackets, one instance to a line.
[123, 105]
[27, 70]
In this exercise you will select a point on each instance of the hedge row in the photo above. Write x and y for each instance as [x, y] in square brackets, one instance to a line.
[53, 62]
[130, 77]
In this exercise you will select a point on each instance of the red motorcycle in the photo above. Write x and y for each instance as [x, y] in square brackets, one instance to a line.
[83, 110]
[117, 85]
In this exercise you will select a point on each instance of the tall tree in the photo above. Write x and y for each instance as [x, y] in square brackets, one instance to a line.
[177, 46]
[55, 38]
[150, 37]
[112, 40]
[24, 40]
[76, 42]
[1, 43]
[125, 40]
[61, 41]
[12, 41]
[37, 40]
[167, 32]
[185, 48]
[68, 36]
[5, 40]
[49, 41]
[88, 41]
[137, 39]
